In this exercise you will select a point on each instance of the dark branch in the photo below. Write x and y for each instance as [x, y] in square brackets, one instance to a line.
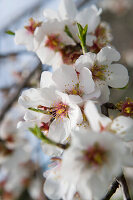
[15, 53]
[124, 185]
[112, 190]
[20, 87]
[104, 110]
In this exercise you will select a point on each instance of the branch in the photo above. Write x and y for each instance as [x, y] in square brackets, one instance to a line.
[124, 185]
[115, 185]
[112, 190]
[104, 110]
[14, 53]
[15, 96]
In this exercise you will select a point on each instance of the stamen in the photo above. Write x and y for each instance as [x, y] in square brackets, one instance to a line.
[32, 25]
[95, 155]
[98, 72]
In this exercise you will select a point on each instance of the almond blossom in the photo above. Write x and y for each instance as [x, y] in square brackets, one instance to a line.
[54, 46]
[93, 161]
[99, 34]
[58, 114]
[104, 72]
[79, 86]
[25, 36]
[120, 126]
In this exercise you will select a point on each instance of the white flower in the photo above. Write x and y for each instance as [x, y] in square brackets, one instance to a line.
[61, 115]
[53, 45]
[104, 73]
[92, 161]
[25, 36]
[79, 87]
[68, 11]
[120, 126]
[98, 34]
[55, 187]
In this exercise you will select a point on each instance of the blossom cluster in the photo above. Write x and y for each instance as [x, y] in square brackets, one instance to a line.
[17, 168]
[87, 149]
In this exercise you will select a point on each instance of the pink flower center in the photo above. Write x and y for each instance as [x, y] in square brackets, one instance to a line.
[57, 110]
[54, 42]
[102, 39]
[70, 54]
[127, 108]
[95, 155]
[98, 72]
[60, 110]
[32, 25]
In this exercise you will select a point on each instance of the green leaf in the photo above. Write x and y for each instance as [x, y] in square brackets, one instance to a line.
[82, 36]
[67, 31]
[39, 110]
[39, 134]
[9, 32]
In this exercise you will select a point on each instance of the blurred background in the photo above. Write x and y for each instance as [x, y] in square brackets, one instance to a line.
[22, 161]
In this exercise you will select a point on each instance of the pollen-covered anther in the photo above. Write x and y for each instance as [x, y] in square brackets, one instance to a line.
[59, 110]
[126, 107]
[54, 42]
[98, 72]
[75, 90]
[95, 155]
[32, 25]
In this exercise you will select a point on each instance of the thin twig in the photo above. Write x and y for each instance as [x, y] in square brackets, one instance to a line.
[15, 53]
[124, 185]
[112, 190]
[15, 96]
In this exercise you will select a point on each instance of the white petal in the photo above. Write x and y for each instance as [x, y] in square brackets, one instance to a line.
[75, 99]
[86, 60]
[60, 129]
[92, 96]
[86, 82]
[105, 92]
[89, 16]
[52, 188]
[31, 98]
[23, 37]
[117, 76]
[50, 14]
[90, 39]
[48, 56]
[94, 117]
[75, 115]
[65, 77]
[67, 9]
[107, 55]
[123, 127]
[46, 79]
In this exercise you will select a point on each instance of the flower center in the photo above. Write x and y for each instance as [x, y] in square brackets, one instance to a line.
[75, 90]
[126, 107]
[32, 25]
[95, 155]
[98, 72]
[60, 110]
[70, 54]
[102, 36]
[53, 42]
